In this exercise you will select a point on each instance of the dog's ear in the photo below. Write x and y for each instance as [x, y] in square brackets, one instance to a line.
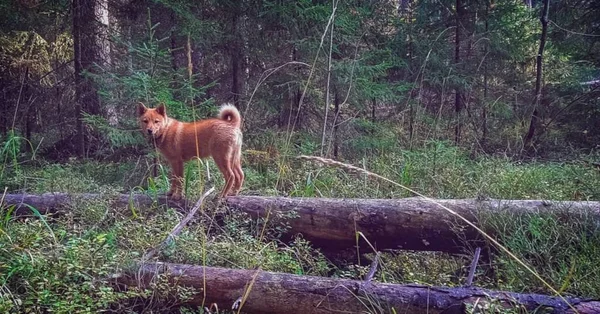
[141, 108]
[161, 110]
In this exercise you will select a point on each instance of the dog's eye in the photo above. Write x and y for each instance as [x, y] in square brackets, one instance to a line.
[145, 121]
[156, 121]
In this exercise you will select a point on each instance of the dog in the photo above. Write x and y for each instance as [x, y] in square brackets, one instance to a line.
[179, 142]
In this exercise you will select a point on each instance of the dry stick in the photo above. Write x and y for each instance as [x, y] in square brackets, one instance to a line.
[327, 92]
[373, 268]
[473, 267]
[354, 169]
[178, 228]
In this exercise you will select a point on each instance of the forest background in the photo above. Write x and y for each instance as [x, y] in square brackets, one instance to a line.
[454, 99]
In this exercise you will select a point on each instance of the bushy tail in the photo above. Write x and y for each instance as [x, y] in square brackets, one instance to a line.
[230, 114]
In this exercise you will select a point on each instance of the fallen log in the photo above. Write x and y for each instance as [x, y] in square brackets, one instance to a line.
[286, 293]
[408, 223]
[50, 203]
[331, 224]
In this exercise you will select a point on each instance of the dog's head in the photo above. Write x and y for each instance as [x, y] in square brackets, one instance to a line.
[152, 121]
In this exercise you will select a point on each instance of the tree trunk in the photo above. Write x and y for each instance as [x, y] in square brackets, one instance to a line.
[89, 40]
[457, 93]
[484, 124]
[54, 203]
[188, 55]
[271, 292]
[112, 51]
[236, 58]
[409, 223]
[336, 139]
[373, 110]
[173, 42]
[30, 121]
[290, 108]
[538, 77]
[331, 224]
[403, 6]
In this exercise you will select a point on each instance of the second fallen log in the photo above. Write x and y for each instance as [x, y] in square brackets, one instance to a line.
[269, 292]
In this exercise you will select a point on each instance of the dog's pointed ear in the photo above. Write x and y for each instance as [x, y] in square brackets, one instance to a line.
[161, 110]
[141, 108]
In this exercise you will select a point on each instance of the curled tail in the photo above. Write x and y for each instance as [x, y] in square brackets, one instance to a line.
[230, 114]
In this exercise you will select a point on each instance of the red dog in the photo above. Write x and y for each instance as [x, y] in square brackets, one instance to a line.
[179, 142]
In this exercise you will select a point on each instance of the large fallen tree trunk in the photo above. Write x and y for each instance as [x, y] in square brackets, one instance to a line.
[285, 293]
[409, 223]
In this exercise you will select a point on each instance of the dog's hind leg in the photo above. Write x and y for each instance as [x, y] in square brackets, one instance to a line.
[236, 165]
[223, 162]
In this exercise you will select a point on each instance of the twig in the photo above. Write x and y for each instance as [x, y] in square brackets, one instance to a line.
[327, 98]
[473, 267]
[373, 268]
[177, 230]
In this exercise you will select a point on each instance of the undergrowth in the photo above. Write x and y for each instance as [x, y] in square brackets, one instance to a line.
[59, 264]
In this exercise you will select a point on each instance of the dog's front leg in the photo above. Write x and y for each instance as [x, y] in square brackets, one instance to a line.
[176, 179]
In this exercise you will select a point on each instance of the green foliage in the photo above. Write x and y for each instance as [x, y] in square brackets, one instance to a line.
[375, 138]
[561, 247]
[41, 272]
[149, 77]
[398, 61]
[94, 239]
[444, 171]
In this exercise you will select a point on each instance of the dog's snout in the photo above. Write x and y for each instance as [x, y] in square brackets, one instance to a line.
[149, 131]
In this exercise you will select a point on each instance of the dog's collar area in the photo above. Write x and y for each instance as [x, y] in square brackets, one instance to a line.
[155, 139]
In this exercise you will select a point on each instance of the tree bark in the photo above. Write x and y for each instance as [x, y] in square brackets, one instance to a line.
[484, 113]
[54, 203]
[89, 40]
[336, 138]
[409, 223]
[236, 55]
[457, 93]
[286, 293]
[538, 77]
[331, 224]
[289, 109]
[373, 110]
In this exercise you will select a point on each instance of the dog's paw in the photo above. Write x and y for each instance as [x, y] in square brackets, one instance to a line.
[174, 195]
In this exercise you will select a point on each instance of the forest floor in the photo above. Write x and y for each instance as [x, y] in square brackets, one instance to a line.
[54, 263]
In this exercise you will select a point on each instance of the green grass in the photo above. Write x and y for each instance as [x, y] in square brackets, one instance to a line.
[54, 264]
[564, 248]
